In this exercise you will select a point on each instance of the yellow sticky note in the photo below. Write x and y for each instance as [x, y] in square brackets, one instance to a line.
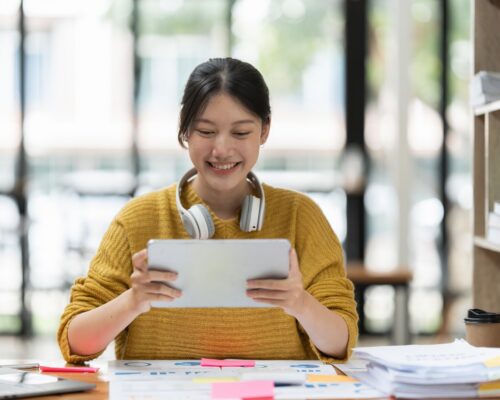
[215, 379]
[329, 378]
[493, 362]
[489, 386]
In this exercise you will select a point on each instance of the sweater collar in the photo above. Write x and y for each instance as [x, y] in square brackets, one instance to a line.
[190, 198]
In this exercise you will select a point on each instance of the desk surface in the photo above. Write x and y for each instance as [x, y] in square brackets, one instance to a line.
[99, 379]
[360, 275]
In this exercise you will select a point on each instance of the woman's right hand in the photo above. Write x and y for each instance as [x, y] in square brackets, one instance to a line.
[150, 285]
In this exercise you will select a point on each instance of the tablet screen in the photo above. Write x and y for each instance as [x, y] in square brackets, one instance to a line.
[213, 273]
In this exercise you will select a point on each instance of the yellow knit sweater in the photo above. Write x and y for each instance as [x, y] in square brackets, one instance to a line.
[250, 333]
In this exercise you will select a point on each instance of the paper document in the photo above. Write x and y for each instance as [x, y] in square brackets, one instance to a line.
[186, 379]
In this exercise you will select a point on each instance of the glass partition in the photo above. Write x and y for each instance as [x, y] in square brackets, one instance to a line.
[10, 134]
[174, 37]
[299, 48]
[9, 87]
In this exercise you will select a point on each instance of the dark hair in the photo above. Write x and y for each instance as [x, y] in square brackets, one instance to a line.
[228, 75]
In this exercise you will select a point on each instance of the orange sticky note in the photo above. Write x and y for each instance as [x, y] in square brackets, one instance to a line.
[209, 362]
[243, 390]
[329, 378]
[493, 386]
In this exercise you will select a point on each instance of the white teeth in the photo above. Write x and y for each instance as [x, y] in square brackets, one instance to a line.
[223, 166]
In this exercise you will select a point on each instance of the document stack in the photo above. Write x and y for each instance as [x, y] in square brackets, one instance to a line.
[431, 371]
[493, 234]
[485, 88]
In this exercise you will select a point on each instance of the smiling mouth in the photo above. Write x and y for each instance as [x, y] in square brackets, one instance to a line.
[223, 166]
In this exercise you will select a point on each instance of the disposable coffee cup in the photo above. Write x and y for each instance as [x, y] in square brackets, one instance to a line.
[482, 328]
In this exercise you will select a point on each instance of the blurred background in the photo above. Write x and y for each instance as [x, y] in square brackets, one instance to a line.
[370, 118]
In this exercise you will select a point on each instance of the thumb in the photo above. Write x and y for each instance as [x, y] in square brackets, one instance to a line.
[294, 263]
[139, 260]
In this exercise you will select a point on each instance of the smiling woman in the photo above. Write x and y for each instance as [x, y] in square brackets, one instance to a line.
[225, 117]
[224, 146]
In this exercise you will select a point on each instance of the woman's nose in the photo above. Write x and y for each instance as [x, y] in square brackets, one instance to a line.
[222, 146]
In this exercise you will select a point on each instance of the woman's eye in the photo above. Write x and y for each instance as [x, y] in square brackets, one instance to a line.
[241, 134]
[204, 133]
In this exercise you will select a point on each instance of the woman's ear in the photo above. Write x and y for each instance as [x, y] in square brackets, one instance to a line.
[266, 126]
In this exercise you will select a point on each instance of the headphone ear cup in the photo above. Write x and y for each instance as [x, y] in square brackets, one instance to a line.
[203, 221]
[249, 218]
[190, 224]
[245, 211]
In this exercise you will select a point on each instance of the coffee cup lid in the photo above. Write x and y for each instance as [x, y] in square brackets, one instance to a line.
[478, 316]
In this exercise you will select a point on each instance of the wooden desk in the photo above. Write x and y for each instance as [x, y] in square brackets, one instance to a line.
[399, 279]
[102, 389]
[99, 379]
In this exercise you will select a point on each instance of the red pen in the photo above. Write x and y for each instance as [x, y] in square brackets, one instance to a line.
[67, 369]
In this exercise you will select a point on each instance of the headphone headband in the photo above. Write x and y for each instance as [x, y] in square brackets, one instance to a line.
[188, 175]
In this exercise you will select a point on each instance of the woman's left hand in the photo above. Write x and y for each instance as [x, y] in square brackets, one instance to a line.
[289, 293]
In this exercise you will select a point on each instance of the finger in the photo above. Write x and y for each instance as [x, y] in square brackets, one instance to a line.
[272, 284]
[139, 260]
[161, 288]
[294, 263]
[274, 302]
[155, 275]
[267, 294]
[158, 297]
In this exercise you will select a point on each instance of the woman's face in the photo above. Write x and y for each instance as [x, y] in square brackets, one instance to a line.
[224, 142]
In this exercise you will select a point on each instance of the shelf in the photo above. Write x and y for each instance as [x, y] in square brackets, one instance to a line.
[486, 171]
[486, 244]
[487, 108]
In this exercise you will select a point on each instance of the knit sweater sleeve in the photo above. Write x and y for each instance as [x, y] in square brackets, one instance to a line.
[107, 278]
[322, 266]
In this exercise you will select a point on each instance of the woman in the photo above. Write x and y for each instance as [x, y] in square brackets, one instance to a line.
[225, 118]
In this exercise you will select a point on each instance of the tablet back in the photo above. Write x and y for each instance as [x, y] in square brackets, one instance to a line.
[213, 273]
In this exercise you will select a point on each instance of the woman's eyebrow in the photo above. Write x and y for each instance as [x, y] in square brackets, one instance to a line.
[241, 121]
[204, 120]
[244, 121]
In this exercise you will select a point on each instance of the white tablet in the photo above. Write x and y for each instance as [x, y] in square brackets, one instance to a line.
[213, 273]
[15, 384]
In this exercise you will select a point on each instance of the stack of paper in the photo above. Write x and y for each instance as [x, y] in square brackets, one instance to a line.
[430, 371]
[485, 88]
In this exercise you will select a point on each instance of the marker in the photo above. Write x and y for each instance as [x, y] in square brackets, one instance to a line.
[67, 369]
[21, 365]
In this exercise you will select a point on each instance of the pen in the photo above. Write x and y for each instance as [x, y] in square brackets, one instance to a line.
[21, 365]
[286, 384]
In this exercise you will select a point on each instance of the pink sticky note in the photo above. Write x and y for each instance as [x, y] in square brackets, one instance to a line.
[209, 362]
[67, 369]
[243, 390]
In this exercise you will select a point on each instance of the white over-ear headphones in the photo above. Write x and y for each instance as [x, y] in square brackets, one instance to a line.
[197, 219]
